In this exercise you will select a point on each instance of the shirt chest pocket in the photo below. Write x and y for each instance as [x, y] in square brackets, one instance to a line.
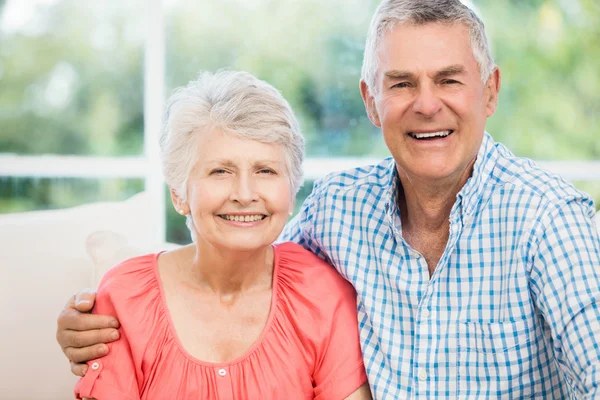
[494, 359]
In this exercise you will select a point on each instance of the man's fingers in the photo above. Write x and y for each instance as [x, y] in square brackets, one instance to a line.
[78, 369]
[79, 339]
[71, 319]
[84, 300]
[86, 353]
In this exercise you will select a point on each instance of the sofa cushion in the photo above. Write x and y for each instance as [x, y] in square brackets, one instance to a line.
[43, 261]
[107, 249]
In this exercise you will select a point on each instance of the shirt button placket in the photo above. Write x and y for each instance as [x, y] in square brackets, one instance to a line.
[224, 387]
[423, 347]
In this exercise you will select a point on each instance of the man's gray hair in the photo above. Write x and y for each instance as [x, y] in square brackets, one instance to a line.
[236, 103]
[390, 13]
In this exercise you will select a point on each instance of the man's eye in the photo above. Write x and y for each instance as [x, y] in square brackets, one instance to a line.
[267, 171]
[449, 82]
[401, 85]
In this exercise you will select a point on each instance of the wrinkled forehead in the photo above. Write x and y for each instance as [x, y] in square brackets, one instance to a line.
[426, 47]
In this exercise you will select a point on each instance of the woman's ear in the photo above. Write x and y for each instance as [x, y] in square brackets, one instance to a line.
[291, 205]
[180, 206]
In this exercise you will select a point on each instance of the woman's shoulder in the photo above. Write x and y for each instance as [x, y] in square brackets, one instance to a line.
[131, 271]
[129, 285]
[311, 276]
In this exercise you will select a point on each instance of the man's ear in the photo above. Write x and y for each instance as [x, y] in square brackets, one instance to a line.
[492, 88]
[180, 206]
[370, 106]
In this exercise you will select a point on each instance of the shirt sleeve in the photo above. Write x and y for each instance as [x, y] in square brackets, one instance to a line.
[113, 376]
[339, 370]
[565, 280]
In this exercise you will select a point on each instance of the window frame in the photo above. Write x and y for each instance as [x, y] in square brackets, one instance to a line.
[147, 166]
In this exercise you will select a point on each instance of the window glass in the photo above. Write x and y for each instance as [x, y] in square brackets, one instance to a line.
[28, 194]
[549, 56]
[71, 77]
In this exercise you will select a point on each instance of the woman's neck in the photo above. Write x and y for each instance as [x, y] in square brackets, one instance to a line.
[224, 272]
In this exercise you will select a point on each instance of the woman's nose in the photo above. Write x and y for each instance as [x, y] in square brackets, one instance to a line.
[244, 190]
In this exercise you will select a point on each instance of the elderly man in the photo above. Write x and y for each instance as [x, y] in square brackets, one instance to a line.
[477, 273]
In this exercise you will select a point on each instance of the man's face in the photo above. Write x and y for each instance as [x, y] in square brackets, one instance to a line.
[431, 104]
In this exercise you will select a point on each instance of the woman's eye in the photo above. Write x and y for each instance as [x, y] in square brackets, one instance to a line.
[218, 172]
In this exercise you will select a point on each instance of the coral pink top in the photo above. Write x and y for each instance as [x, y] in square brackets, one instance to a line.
[309, 348]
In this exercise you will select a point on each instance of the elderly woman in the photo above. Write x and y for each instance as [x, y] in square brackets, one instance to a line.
[231, 315]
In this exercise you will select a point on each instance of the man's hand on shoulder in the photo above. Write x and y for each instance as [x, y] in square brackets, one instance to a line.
[81, 335]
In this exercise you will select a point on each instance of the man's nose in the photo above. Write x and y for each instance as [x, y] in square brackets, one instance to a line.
[244, 190]
[427, 102]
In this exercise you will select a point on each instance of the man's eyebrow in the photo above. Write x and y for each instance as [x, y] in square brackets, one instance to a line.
[396, 74]
[450, 70]
[456, 69]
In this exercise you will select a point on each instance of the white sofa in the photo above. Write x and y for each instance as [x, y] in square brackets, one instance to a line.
[46, 256]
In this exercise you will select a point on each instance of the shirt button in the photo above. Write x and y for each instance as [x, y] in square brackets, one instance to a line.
[222, 372]
[422, 375]
[426, 313]
[95, 366]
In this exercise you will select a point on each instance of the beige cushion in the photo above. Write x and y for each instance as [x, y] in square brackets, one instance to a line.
[107, 249]
[43, 261]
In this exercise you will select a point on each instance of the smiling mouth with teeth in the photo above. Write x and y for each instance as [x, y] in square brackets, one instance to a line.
[430, 135]
[243, 218]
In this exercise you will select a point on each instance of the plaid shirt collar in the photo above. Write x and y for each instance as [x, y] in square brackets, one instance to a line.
[466, 200]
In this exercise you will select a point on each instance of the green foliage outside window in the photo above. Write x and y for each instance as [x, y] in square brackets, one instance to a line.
[71, 79]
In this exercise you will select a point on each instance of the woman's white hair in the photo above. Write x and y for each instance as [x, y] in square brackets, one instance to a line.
[234, 102]
[390, 13]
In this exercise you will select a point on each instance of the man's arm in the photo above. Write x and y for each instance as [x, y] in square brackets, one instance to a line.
[565, 282]
[81, 335]
[362, 393]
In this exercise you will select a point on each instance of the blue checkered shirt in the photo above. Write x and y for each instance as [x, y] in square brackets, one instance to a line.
[512, 310]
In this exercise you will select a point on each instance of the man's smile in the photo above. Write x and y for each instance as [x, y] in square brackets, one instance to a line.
[430, 135]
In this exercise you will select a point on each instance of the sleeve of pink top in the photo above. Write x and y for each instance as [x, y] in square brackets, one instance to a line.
[113, 376]
[340, 371]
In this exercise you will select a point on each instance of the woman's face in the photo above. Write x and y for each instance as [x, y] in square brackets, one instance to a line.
[239, 192]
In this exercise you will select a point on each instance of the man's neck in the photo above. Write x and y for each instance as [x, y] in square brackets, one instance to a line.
[425, 208]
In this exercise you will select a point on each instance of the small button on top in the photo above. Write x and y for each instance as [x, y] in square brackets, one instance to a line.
[95, 366]
[422, 375]
[222, 372]
[426, 313]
